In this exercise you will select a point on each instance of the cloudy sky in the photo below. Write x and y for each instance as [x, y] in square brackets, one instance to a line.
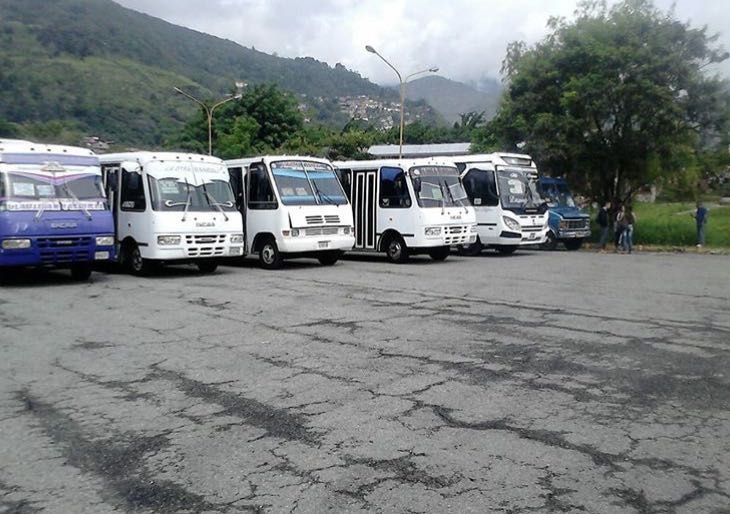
[466, 39]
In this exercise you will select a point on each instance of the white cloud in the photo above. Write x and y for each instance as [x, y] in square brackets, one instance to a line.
[466, 39]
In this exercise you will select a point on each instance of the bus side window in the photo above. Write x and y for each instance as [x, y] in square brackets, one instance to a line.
[260, 192]
[481, 188]
[345, 177]
[132, 195]
[393, 188]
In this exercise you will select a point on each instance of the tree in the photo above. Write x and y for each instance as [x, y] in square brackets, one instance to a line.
[613, 99]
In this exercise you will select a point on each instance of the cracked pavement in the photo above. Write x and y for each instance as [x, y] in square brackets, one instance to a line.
[542, 382]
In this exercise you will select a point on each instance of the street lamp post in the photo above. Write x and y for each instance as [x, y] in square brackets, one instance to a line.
[209, 112]
[402, 82]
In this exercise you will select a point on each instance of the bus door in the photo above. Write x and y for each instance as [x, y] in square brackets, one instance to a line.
[110, 180]
[238, 184]
[364, 200]
[482, 189]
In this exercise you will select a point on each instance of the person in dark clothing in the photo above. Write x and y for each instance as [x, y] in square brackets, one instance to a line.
[603, 223]
[700, 216]
[619, 227]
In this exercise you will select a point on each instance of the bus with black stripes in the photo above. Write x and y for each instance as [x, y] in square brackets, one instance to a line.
[404, 207]
[510, 212]
[292, 206]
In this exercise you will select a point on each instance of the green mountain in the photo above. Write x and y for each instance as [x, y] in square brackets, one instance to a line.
[110, 71]
[451, 98]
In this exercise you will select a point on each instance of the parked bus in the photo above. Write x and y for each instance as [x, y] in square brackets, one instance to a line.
[510, 213]
[171, 208]
[291, 207]
[406, 207]
[53, 211]
[568, 223]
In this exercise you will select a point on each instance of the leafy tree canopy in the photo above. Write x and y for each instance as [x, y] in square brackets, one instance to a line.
[616, 98]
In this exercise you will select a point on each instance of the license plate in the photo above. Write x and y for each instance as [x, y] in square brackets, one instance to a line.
[323, 244]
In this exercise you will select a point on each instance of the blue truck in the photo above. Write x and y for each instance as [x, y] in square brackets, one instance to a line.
[568, 223]
[53, 210]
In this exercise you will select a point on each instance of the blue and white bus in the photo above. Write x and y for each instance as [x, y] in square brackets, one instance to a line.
[53, 210]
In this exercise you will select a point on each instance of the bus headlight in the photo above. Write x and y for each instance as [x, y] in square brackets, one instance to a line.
[347, 230]
[511, 224]
[295, 232]
[105, 241]
[433, 231]
[237, 239]
[16, 244]
[168, 240]
[473, 229]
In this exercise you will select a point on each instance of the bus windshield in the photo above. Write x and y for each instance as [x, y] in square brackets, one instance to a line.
[438, 186]
[29, 191]
[307, 183]
[182, 194]
[516, 190]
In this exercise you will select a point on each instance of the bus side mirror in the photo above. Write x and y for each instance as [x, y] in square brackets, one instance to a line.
[417, 185]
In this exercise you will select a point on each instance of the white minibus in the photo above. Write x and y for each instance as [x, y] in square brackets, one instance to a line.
[510, 213]
[405, 207]
[171, 208]
[291, 206]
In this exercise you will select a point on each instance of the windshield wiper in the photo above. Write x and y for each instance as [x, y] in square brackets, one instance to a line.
[76, 199]
[321, 195]
[212, 201]
[188, 200]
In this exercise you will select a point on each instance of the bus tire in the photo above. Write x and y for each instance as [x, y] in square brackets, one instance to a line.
[81, 272]
[269, 255]
[329, 258]
[471, 250]
[551, 243]
[207, 267]
[440, 253]
[135, 263]
[506, 249]
[396, 250]
[573, 244]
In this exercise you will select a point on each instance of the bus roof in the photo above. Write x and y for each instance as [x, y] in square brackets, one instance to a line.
[17, 151]
[401, 163]
[146, 157]
[266, 159]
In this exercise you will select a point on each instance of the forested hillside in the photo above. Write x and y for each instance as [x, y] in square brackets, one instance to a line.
[101, 68]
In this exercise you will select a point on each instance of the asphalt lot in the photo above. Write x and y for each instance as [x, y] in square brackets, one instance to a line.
[541, 382]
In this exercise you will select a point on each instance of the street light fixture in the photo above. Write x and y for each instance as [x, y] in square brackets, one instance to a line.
[209, 112]
[402, 82]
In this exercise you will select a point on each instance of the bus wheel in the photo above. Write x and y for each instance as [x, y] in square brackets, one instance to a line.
[329, 258]
[471, 250]
[135, 264]
[81, 272]
[269, 255]
[573, 244]
[396, 250]
[506, 249]
[440, 253]
[207, 267]
[551, 243]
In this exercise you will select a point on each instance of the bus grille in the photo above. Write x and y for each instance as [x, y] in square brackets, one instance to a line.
[331, 218]
[321, 231]
[205, 245]
[456, 234]
[61, 250]
[314, 220]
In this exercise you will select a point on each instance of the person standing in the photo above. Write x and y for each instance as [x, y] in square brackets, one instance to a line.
[628, 236]
[700, 216]
[619, 228]
[602, 220]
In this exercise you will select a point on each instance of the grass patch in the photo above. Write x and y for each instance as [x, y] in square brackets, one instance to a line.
[670, 224]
